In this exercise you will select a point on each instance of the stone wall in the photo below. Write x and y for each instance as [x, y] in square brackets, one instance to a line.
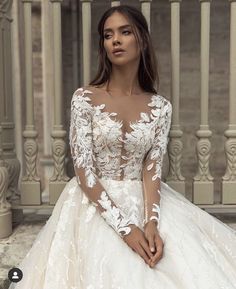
[190, 71]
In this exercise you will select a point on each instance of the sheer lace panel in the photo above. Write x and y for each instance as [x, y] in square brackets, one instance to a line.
[153, 166]
[124, 110]
[102, 148]
[81, 144]
[123, 131]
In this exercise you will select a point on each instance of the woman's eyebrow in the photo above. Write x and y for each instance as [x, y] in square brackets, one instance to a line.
[120, 27]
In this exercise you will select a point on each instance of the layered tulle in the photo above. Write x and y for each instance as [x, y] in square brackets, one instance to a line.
[77, 249]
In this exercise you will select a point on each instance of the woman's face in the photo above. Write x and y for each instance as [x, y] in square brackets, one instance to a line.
[118, 34]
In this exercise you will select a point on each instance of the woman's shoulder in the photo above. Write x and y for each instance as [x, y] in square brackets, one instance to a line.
[88, 96]
[81, 97]
[164, 100]
[89, 90]
[83, 90]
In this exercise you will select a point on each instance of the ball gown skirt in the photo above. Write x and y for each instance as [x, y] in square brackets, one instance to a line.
[77, 249]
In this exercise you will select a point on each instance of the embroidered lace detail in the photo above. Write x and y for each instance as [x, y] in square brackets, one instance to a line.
[114, 217]
[100, 150]
[81, 143]
[156, 209]
[153, 166]
[106, 134]
[161, 140]
[81, 137]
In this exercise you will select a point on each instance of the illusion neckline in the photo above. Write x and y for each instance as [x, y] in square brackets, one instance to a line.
[131, 124]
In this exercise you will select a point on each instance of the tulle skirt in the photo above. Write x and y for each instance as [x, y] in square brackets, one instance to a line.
[77, 249]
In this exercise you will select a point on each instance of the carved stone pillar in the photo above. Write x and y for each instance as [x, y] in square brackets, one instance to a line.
[6, 100]
[203, 187]
[18, 84]
[229, 179]
[30, 185]
[48, 91]
[5, 207]
[59, 178]
[7, 167]
[175, 178]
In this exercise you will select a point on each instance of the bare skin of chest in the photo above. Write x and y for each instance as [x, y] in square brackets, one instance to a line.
[128, 108]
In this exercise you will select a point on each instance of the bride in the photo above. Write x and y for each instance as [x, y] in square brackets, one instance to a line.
[116, 224]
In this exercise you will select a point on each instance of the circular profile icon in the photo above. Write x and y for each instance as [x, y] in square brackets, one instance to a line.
[15, 275]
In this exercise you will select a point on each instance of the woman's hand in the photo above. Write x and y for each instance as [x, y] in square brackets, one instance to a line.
[138, 243]
[155, 242]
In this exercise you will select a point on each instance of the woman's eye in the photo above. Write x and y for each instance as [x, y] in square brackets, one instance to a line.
[125, 31]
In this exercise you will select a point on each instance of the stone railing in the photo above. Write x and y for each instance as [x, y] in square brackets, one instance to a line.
[29, 194]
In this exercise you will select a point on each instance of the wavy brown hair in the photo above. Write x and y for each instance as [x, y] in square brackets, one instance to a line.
[147, 73]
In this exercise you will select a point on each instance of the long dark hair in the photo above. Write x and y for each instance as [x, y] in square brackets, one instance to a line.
[147, 73]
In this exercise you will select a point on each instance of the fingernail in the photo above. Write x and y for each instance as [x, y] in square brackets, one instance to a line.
[152, 249]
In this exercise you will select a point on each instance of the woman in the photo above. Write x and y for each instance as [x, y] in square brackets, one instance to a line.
[116, 225]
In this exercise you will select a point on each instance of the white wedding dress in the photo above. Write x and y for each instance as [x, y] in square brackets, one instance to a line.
[118, 170]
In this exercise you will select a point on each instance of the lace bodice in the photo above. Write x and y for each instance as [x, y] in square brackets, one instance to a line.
[104, 146]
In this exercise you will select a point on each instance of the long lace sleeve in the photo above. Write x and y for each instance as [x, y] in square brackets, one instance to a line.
[153, 166]
[81, 145]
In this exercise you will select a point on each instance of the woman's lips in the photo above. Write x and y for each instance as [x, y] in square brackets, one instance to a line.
[118, 52]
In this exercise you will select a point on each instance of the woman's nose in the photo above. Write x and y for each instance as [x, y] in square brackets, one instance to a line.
[116, 42]
[116, 39]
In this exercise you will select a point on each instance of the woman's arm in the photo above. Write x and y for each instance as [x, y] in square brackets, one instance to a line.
[81, 145]
[153, 166]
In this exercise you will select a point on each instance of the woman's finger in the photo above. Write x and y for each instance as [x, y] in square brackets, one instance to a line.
[159, 251]
[144, 245]
[142, 253]
[152, 246]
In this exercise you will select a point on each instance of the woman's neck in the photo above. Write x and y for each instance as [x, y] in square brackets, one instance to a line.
[124, 80]
[123, 88]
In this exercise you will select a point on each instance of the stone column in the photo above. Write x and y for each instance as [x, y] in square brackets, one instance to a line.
[229, 179]
[9, 168]
[146, 10]
[5, 207]
[175, 178]
[203, 187]
[6, 100]
[75, 44]
[86, 27]
[48, 92]
[59, 178]
[18, 79]
[30, 185]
